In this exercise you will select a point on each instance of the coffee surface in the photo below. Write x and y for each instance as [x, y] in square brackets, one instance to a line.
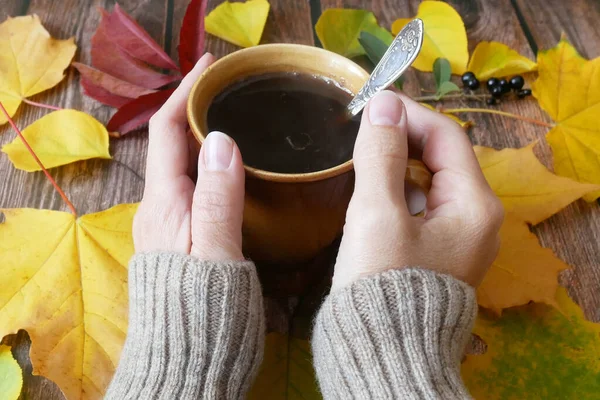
[286, 122]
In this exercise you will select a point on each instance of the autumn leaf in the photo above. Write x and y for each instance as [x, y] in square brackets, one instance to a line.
[30, 61]
[526, 188]
[191, 35]
[493, 59]
[11, 376]
[59, 138]
[239, 23]
[65, 283]
[522, 272]
[106, 88]
[109, 57]
[137, 112]
[286, 371]
[568, 89]
[536, 352]
[339, 29]
[444, 36]
[134, 40]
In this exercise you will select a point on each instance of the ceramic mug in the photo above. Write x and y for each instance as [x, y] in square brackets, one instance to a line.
[289, 218]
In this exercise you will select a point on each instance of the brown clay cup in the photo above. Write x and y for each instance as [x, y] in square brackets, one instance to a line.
[289, 218]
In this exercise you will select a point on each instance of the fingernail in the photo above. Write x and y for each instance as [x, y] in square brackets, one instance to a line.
[218, 151]
[385, 109]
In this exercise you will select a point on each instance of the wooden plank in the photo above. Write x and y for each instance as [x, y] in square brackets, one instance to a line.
[574, 233]
[545, 21]
[11, 8]
[91, 185]
[288, 22]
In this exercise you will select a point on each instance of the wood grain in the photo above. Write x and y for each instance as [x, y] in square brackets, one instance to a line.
[574, 233]
[546, 20]
[12, 8]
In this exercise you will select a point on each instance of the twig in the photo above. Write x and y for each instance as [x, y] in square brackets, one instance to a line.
[502, 113]
[38, 161]
[461, 96]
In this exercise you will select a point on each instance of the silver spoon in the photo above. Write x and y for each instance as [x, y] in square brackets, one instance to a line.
[398, 57]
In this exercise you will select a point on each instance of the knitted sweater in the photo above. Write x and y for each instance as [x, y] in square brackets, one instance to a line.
[196, 330]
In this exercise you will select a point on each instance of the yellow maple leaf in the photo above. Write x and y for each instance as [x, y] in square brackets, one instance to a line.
[536, 352]
[524, 185]
[11, 376]
[30, 60]
[445, 36]
[338, 30]
[568, 89]
[286, 371]
[522, 272]
[59, 138]
[493, 59]
[239, 23]
[65, 282]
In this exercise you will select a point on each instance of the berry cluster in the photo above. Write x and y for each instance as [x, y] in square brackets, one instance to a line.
[497, 87]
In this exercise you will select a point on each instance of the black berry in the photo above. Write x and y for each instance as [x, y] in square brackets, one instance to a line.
[492, 82]
[523, 93]
[504, 85]
[491, 101]
[466, 77]
[517, 82]
[473, 84]
[496, 91]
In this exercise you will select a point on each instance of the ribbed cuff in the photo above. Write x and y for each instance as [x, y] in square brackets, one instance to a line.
[196, 329]
[397, 334]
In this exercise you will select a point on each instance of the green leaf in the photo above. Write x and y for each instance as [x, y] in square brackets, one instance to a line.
[286, 371]
[441, 71]
[338, 30]
[375, 48]
[445, 88]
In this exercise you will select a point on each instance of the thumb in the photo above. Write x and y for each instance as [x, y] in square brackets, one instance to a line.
[218, 204]
[381, 152]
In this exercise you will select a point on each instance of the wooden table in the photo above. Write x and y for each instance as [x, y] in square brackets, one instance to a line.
[524, 25]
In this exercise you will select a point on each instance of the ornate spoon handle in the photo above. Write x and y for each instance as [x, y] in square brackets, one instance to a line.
[398, 57]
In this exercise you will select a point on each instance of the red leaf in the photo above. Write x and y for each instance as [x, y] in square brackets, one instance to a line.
[110, 58]
[106, 88]
[191, 35]
[135, 41]
[137, 112]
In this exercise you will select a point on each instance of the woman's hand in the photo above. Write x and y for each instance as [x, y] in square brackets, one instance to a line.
[176, 215]
[459, 233]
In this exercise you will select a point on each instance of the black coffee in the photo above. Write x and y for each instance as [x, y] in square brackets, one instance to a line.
[286, 122]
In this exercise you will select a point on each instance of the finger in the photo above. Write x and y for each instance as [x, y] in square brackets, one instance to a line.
[381, 151]
[444, 144]
[448, 153]
[218, 205]
[168, 143]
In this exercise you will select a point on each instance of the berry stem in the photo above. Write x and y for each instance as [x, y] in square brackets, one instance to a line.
[41, 105]
[502, 113]
[38, 161]
[479, 97]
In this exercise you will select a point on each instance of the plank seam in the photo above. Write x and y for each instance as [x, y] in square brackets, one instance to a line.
[315, 13]
[525, 27]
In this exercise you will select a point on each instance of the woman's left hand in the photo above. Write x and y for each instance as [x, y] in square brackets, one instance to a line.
[203, 219]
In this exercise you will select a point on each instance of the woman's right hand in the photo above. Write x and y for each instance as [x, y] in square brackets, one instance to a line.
[459, 233]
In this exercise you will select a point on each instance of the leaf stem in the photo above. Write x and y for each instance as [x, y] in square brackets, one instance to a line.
[38, 161]
[462, 96]
[497, 112]
[41, 105]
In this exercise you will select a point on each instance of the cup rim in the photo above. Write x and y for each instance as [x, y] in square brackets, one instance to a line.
[257, 172]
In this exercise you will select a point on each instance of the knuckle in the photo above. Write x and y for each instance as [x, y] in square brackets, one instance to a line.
[488, 212]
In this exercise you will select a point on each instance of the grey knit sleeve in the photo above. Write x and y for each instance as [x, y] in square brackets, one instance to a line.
[196, 329]
[399, 334]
